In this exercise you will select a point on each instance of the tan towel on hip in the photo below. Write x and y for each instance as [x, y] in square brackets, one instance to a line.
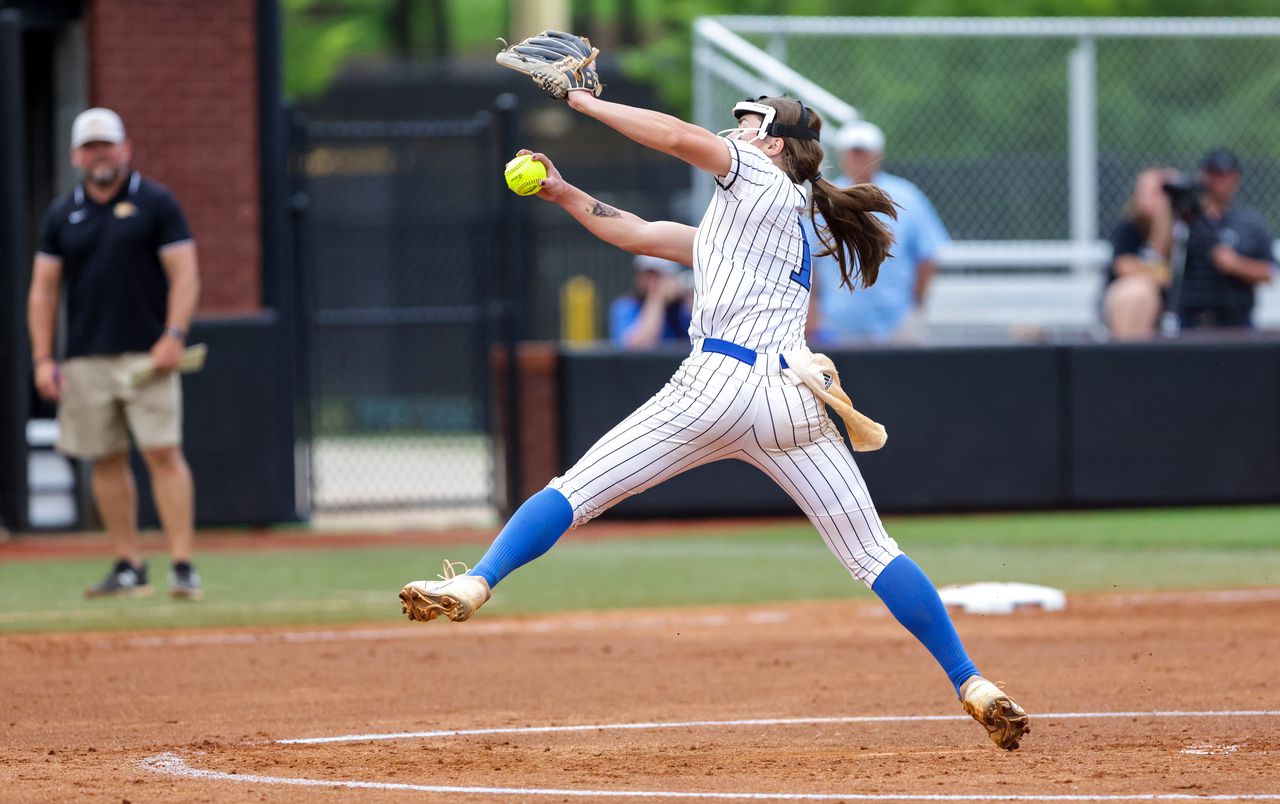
[819, 373]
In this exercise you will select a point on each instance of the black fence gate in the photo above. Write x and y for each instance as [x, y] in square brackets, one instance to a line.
[409, 264]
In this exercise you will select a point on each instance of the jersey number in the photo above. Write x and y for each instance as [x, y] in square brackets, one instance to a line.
[801, 277]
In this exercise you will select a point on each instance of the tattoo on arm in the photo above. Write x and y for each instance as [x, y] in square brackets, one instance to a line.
[601, 210]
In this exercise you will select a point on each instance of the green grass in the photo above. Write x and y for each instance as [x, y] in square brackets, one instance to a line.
[1076, 551]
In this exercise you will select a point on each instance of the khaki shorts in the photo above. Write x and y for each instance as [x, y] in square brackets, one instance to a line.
[98, 406]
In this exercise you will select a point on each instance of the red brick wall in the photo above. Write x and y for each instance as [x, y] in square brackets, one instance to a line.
[184, 76]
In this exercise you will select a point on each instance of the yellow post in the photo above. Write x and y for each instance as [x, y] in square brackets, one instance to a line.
[578, 311]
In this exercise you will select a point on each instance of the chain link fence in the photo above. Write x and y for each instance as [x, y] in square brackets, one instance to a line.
[401, 267]
[1026, 134]
[618, 172]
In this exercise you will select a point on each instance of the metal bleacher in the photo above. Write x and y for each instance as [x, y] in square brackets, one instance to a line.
[1029, 288]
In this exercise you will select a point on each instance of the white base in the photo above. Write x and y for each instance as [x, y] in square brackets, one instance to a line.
[1002, 598]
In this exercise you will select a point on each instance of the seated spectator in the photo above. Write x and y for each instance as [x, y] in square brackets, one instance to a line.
[658, 311]
[1138, 277]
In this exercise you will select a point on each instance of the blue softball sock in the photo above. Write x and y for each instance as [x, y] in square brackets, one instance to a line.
[910, 596]
[531, 531]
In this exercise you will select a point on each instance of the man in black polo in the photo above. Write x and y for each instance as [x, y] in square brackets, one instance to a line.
[120, 247]
[1228, 251]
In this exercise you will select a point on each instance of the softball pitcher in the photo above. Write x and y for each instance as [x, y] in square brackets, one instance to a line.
[750, 389]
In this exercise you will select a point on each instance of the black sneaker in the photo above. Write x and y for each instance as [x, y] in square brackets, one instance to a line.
[124, 580]
[184, 582]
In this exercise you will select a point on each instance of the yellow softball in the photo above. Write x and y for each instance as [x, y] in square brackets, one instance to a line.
[523, 174]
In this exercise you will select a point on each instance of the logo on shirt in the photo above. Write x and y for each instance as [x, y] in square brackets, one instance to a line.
[77, 215]
[124, 210]
[826, 381]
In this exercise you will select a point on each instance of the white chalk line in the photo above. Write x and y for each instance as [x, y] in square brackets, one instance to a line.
[173, 765]
[790, 721]
[1210, 749]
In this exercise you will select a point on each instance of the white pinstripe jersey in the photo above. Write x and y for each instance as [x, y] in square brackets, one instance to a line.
[750, 260]
[751, 268]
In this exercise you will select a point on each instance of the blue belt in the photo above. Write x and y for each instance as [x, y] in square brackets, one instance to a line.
[735, 351]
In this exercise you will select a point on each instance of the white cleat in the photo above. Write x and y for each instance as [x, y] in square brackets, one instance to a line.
[1003, 719]
[454, 596]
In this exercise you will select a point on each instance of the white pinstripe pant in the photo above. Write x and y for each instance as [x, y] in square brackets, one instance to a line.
[717, 407]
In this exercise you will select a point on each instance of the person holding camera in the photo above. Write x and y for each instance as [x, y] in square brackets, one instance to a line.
[1228, 250]
[658, 310]
[1139, 276]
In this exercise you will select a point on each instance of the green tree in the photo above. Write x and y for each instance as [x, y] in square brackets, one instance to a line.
[321, 36]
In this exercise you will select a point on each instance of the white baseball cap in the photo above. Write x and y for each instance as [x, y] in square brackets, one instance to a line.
[96, 125]
[860, 135]
[644, 262]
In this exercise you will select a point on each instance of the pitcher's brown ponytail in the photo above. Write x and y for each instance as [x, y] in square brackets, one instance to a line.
[852, 234]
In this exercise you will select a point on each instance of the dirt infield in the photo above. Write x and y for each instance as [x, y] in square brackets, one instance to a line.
[118, 717]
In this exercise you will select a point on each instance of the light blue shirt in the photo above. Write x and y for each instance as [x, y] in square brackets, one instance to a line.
[875, 313]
